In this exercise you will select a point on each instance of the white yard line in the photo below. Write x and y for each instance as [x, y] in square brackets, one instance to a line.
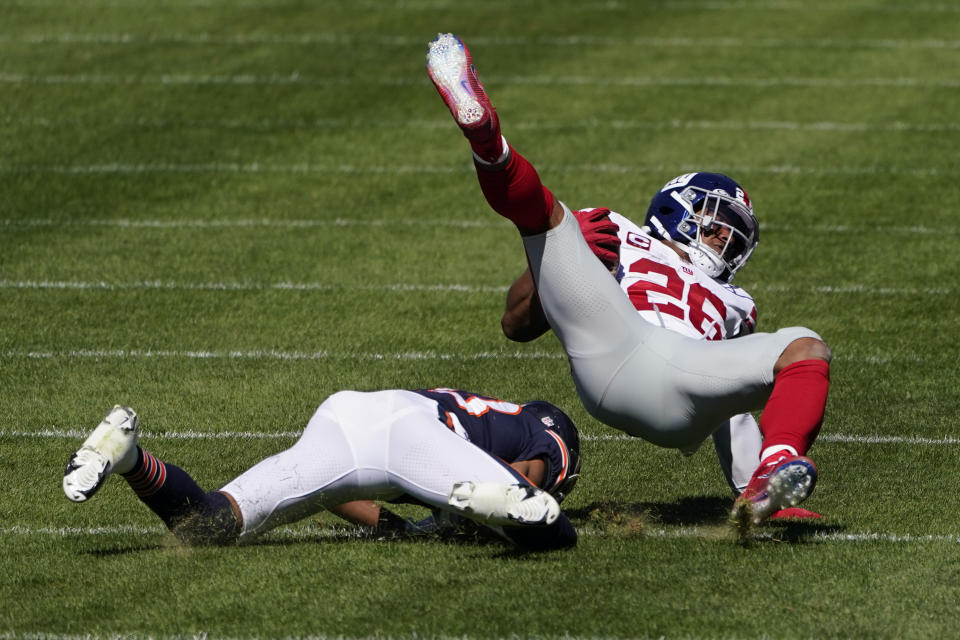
[863, 537]
[261, 223]
[70, 434]
[54, 432]
[311, 533]
[269, 354]
[824, 437]
[171, 285]
[243, 286]
[274, 354]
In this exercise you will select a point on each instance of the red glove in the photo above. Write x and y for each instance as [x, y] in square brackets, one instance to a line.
[600, 232]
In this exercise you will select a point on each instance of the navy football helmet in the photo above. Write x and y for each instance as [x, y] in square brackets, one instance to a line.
[563, 453]
[711, 215]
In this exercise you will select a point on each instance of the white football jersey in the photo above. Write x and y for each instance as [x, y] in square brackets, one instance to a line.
[676, 295]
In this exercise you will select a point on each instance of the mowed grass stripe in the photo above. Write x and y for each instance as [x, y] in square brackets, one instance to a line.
[258, 168]
[500, 6]
[296, 78]
[380, 40]
[488, 222]
[886, 588]
[268, 124]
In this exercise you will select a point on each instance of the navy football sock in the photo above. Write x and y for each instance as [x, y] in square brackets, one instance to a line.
[192, 514]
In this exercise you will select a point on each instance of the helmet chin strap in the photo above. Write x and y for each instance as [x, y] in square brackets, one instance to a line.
[707, 260]
[700, 255]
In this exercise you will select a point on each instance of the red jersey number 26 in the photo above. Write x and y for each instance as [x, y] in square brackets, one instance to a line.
[681, 299]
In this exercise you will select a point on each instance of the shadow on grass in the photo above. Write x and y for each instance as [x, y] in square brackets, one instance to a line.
[706, 517]
[688, 511]
[796, 531]
[310, 535]
[124, 550]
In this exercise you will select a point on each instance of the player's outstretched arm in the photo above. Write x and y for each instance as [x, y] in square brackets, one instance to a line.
[362, 512]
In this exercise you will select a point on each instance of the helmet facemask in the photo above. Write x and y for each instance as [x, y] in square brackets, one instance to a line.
[720, 232]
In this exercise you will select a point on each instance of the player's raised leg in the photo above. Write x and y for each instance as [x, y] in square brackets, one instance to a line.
[585, 307]
[451, 69]
[508, 181]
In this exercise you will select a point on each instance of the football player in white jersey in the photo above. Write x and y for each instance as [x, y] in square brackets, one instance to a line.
[503, 466]
[669, 291]
[642, 377]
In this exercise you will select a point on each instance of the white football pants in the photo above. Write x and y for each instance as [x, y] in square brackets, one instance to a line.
[642, 379]
[362, 446]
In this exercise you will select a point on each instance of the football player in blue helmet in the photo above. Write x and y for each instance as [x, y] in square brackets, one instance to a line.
[711, 215]
[540, 438]
[540, 431]
[502, 466]
[562, 456]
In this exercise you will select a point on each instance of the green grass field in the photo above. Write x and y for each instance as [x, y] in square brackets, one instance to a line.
[221, 212]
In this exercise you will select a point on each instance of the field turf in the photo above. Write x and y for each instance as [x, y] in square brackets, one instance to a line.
[220, 212]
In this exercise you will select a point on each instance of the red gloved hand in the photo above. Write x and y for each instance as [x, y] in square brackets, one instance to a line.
[600, 232]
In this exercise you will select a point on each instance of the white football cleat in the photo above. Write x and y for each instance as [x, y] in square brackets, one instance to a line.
[110, 447]
[504, 504]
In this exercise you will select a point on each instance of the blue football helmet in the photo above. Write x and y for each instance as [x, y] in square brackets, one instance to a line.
[711, 215]
[561, 446]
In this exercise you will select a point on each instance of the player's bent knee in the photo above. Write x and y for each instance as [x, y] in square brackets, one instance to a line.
[211, 522]
[803, 349]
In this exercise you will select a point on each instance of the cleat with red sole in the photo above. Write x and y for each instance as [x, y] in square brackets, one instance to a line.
[451, 70]
[794, 513]
[781, 482]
